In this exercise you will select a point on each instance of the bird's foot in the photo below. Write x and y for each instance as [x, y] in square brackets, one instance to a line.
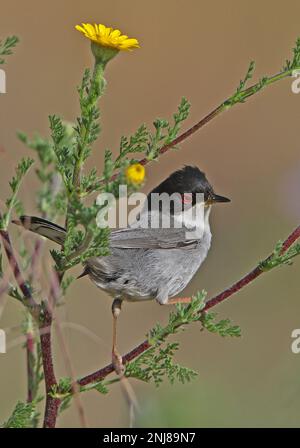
[179, 300]
[117, 363]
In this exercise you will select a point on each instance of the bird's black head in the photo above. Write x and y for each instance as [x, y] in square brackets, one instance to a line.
[187, 182]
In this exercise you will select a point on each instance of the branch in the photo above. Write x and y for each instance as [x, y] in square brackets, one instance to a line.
[22, 284]
[145, 345]
[52, 404]
[256, 272]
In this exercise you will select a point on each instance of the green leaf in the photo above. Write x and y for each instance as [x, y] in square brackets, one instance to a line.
[183, 315]
[138, 142]
[157, 363]
[222, 327]
[21, 416]
[15, 183]
[295, 62]
[7, 46]
[100, 387]
[166, 133]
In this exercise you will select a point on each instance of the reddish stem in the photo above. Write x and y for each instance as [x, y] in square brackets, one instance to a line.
[16, 269]
[30, 337]
[291, 239]
[52, 404]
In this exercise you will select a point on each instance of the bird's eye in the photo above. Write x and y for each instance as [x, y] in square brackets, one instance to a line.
[187, 198]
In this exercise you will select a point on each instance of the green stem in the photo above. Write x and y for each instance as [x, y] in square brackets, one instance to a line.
[96, 90]
[240, 97]
[97, 86]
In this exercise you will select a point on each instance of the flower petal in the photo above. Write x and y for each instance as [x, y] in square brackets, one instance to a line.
[107, 36]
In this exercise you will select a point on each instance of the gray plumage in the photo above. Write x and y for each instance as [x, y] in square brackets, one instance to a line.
[147, 263]
[159, 269]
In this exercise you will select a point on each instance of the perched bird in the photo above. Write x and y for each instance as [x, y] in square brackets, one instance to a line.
[145, 262]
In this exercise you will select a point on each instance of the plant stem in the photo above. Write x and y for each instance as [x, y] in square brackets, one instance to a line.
[96, 90]
[52, 404]
[28, 298]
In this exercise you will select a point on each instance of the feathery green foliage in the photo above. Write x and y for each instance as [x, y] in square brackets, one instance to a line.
[243, 92]
[65, 393]
[278, 258]
[222, 327]
[7, 46]
[294, 63]
[12, 202]
[21, 416]
[157, 362]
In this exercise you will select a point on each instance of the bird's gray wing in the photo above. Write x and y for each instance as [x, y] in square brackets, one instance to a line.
[138, 238]
[128, 238]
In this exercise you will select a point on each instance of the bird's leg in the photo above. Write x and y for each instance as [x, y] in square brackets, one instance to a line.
[179, 300]
[116, 357]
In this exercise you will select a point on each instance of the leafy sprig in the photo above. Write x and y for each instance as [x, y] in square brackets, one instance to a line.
[64, 390]
[222, 327]
[157, 362]
[243, 92]
[12, 202]
[21, 416]
[294, 63]
[88, 127]
[136, 143]
[280, 257]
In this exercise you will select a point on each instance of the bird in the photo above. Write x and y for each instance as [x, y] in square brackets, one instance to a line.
[149, 262]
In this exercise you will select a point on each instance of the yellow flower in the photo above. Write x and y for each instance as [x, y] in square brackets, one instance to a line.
[107, 37]
[135, 173]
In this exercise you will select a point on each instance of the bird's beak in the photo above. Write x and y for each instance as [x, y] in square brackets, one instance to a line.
[217, 198]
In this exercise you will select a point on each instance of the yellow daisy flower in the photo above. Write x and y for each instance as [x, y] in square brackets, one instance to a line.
[135, 173]
[107, 37]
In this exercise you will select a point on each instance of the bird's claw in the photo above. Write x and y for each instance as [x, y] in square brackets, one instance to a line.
[118, 363]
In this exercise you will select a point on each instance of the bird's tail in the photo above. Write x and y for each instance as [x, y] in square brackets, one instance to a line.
[43, 227]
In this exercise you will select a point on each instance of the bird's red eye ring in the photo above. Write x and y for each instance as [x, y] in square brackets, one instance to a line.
[187, 198]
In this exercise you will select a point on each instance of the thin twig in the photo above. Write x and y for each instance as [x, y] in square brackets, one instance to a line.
[29, 300]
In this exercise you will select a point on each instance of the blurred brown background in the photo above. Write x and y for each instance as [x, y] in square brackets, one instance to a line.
[199, 50]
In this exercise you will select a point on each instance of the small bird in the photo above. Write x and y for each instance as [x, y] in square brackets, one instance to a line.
[150, 263]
